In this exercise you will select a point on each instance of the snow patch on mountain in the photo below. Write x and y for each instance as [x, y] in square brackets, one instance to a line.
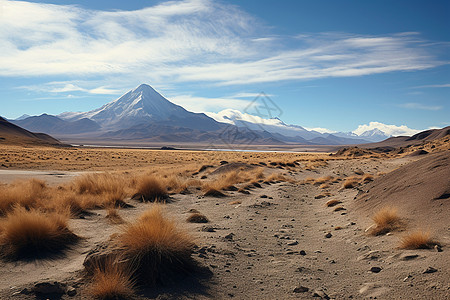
[374, 128]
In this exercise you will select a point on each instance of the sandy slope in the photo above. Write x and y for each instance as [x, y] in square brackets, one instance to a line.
[255, 249]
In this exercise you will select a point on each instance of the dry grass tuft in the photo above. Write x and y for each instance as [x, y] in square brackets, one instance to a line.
[322, 180]
[150, 188]
[339, 208]
[350, 182]
[113, 216]
[417, 240]
[24, 193]
[197, 218]
[157, 248]
[30, 234]
[322, 195]
[112, 281]
[332, 203]
[367, 178]
[386, 220]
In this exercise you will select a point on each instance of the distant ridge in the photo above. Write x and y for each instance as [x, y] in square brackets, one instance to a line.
[13, 134]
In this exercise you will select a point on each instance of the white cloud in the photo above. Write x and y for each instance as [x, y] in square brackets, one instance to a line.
[413, 105]
[434, 86]
[179, 41]
[392, 130]
[320, 129]
[66, 87]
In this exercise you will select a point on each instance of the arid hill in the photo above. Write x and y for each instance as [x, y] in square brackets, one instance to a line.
[13, 134]
[419, 138]
[420, 190]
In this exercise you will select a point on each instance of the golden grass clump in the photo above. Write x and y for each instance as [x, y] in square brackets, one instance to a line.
[156, 247]
[197, 218]
[150, 188]
[350, 182]
[112, 281]
[367, 178]
[332, 203]
[30, 234]
[25, 193]
[386, 220]
[322, 180]
[417, 240]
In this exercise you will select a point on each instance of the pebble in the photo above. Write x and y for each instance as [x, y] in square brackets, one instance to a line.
[293, 243]
[302, 252]
[375, 269]
[301, 289]
[328, 235]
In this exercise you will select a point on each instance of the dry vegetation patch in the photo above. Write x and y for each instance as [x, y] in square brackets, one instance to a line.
[386, 220]
[156, 247]
[112, 280]
[30, 234]
[332, 203]
[417, 240]
[150, 188]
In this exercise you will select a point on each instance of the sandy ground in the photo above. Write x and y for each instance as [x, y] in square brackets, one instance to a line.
[280, 242]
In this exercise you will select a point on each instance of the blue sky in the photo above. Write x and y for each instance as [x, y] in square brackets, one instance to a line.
[328, 64]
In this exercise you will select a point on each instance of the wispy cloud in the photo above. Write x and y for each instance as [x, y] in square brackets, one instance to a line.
[447, 85]
[67, 87]
[178, 41]
[414, 105]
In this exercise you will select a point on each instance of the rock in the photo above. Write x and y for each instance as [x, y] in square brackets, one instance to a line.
[302, 252]
[320, 294]
[430, 270]
[375, 269]
[328, 235]
[223, 162]
[407, 257]
[49, 288]
[263, 196]
[71, 291]
[301, 289]
[437, 248]
[208, 229]
[293, 243]
[229, 236]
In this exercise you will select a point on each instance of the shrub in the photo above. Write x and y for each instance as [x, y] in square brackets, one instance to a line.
[112, 280]
[25, 193]
[367, 178]
[28, 234]
[417, 240]
[350, 182]
[332, 203]
[386, 220]
[156, 247]
[150, 188]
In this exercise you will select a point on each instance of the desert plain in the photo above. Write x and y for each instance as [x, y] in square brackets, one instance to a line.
[352, 224]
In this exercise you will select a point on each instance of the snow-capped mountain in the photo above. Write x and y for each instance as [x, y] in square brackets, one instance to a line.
[273, 125]
[144, 114]
[143, 105]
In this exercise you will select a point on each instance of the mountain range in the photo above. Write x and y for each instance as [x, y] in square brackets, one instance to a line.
[144, 115]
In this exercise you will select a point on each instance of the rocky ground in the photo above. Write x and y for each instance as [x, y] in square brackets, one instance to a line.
[278, 242]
